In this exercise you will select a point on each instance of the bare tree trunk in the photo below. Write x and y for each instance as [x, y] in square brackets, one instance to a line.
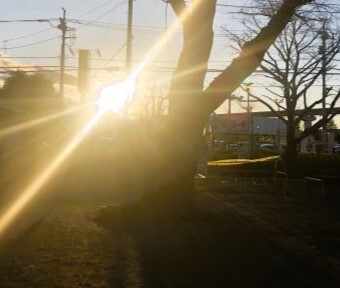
[190, 105]
[186, 119]
[291, 154]
[182, 142]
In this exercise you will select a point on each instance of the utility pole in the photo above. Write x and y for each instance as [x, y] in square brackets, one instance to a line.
[83, 73]
[322, 50]
[63, 27]
[231, 98]
[250, 120]
[278, 103]
[129, 37]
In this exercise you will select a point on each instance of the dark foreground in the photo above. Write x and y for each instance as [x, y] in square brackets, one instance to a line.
[68, 248]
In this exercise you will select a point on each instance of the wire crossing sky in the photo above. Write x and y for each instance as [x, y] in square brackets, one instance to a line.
[30, 35]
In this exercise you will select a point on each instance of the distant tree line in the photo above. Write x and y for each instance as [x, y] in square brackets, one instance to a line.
[23, 85]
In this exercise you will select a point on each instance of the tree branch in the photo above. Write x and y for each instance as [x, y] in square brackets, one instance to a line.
[188, 79]
[250, 57]
[178, 6]
[270, 107]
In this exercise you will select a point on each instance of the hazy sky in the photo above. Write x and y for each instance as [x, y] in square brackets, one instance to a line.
[100, 25]
[102, 29]
[107, 32]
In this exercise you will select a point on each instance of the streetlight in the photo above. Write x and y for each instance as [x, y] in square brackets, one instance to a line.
[257, 137]
[323, 52]
[231, 98]
[250, 124]
[278, 103]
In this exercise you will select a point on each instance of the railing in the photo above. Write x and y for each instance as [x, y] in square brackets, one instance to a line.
[269, 181]
[314, 180]
[246, 179]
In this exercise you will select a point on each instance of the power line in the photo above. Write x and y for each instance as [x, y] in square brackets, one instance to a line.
[96, 8]
[236, 6]
[27, 35]
[255, 7]
[41, 31]
[114, 55]
[63, 28]
[28, 20]
[32, 67]
[99, 17]
[29, 57]
[32, 44]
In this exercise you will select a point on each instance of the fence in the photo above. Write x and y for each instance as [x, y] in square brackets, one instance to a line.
[273, 182]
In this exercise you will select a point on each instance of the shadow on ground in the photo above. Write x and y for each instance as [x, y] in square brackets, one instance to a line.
[213, 251]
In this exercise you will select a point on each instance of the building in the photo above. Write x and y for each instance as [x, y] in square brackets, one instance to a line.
[239, 128]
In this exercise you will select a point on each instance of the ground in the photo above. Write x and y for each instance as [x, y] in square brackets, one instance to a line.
[244, 241]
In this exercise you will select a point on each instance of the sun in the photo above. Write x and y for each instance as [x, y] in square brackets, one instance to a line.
[116, 96]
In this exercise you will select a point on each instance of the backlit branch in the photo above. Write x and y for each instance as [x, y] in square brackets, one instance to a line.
[251, 56]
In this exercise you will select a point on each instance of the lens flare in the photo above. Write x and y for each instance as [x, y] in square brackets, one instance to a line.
[43, 178]
[116, 96]
[113, 96]
[35, 122]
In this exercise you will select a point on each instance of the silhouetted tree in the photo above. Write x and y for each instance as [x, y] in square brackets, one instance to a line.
[331, 125]
[191, 103]
[153, 103]
[22, 85]
[294, 63]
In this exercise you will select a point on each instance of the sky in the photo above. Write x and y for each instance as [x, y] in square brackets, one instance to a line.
[101, 29]
[100, 26]
[149, 21]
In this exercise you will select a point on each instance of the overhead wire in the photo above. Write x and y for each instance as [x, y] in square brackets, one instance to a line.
[28, 20]
[32, 44]
[48, 29]
[96, 8]
[169, 69]
[94, 23]
[41, 31]
[114, 55]
[50, 39]
[29, 57]
[27, 35]
[101, 16]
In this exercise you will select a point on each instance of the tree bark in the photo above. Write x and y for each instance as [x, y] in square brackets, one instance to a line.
[186, 120]
[291, 153]
[190, 105]
[188, 79]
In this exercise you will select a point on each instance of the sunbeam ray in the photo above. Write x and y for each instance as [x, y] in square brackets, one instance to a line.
[43, 178]
[35, 122]
[32, 190]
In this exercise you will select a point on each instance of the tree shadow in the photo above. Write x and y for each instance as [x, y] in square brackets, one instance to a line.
[210, 251]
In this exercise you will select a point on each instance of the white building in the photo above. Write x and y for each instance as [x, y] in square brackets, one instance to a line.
[238, 127]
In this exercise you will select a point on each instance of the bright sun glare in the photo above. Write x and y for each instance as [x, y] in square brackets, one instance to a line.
[115, 97]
